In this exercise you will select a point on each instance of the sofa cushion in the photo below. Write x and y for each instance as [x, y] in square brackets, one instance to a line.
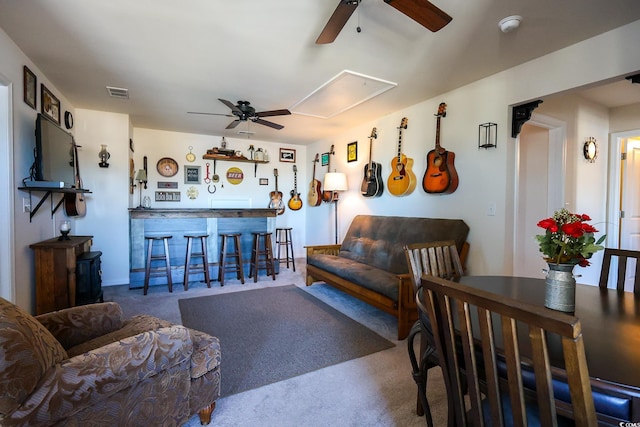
[365, 275]
[378, 240]
[133, 326]
[27, 350]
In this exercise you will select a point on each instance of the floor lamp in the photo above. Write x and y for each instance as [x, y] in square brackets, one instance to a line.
[335, 181]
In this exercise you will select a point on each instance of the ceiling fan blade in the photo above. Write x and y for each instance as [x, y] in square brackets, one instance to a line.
[233, 124]
[267, 123]
[337, 21]
[273, 113]
[423, 12]
[210, 114]
[230, 105]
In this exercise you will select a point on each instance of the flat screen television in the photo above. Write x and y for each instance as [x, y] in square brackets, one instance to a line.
[54, 153]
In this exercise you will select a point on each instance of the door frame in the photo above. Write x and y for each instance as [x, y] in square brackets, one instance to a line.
[7, 245]
[557, 165]
[615, 178]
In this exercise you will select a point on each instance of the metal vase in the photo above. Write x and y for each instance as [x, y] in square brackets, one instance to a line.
[560, 290]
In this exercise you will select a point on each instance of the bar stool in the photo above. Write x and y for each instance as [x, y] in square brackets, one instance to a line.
[283, 238]
[198, 268]
[151, 257]
[230, 260]
[262, 256]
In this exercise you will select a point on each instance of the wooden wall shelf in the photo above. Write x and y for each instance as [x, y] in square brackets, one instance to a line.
[48, 193]
[215, 157]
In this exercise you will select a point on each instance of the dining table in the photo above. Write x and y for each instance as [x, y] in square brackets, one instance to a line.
[610, 322]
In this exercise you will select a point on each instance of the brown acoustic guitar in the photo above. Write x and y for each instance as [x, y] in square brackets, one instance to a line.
[75, 203]
[315, 195]
[402, 180]
[295, 203]
[441, 176]
[328, 196]
[276, 197]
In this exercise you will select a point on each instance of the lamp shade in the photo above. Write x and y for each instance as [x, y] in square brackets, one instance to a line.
[335, 181]
[141, 175]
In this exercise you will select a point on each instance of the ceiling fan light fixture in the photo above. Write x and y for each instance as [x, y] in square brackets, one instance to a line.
[510, 23]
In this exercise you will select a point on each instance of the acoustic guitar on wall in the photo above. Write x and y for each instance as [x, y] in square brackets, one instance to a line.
[327, 196]
[441, 176]
[372, 185]
[295, 203]
[315, 195]
[402, 180]
[276, 197]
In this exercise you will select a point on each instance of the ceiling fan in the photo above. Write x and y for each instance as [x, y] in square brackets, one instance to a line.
[421, 11]
[244, 111]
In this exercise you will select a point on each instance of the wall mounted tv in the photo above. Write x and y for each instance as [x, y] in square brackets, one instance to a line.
[54, 153]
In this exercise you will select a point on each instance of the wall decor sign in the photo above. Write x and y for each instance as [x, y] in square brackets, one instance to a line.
[49, 104]
[30, 85]
[325, 159]
[167, 196]
[235, 175]
[264, 181]
[192, 174]
[287, 155]
[167, 184]
[352, 151]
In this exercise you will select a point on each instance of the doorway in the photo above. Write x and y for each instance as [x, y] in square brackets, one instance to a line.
[6, 192]
[540, 171]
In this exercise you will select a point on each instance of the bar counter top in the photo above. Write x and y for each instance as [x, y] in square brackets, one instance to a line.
[201, 213]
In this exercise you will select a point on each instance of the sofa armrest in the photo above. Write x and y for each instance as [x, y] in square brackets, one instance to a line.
[75, 325]
[206, 353]
[323, 249]
[82, 381]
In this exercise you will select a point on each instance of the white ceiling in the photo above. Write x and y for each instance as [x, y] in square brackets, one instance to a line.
[179, 56]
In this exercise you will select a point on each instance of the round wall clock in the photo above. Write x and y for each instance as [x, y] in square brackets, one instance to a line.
[167, 167]
[190, 156]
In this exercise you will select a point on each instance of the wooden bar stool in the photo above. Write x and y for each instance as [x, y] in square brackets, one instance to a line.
[151, 257]
[197, 268]
[262, 256]
[283, 238]
[230, 260]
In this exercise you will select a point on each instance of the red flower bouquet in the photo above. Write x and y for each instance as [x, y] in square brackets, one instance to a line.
[568, 239]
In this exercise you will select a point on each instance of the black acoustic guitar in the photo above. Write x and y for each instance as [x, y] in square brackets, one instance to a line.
[372, 184]
[75, 203]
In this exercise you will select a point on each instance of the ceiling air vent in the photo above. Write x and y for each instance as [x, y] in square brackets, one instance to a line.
[118, 92]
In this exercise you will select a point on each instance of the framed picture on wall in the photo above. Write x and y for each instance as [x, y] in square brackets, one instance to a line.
[49, 104]
[352, 151]
[287, 155]
[192, 174]
[30, 85]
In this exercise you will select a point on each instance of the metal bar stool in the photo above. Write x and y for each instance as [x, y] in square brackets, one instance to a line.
[283, 238]
[230, 260]
[262, 256]
[196, 268]
[151, 257]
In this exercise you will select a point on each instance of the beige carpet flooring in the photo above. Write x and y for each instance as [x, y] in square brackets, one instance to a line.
[375, 390]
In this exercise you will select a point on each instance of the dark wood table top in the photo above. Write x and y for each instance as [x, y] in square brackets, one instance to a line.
[610, 323]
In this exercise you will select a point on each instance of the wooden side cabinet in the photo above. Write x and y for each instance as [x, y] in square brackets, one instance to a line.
[55, 262]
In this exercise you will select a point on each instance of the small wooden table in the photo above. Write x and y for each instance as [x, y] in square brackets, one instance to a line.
[55, 262]
[611, 329]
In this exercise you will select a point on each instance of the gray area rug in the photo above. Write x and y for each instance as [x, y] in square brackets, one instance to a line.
[271, 334]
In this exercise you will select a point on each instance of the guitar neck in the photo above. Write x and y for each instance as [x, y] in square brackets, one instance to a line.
[438, 148]
[400, 145]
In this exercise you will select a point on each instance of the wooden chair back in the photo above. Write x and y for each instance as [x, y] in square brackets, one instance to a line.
[470, 321]
[438, 259]
[623, 256]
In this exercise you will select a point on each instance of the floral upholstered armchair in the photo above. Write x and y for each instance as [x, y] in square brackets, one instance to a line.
[87, 366]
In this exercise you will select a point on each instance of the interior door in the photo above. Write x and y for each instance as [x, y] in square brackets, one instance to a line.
[630, 204]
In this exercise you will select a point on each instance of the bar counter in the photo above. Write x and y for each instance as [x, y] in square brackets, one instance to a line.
[177, 222]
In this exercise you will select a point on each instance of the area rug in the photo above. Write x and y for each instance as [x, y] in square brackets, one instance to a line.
[271, 334]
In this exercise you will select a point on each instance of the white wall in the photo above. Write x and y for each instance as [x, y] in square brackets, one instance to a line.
[156, 144]
[488, 176]
[107, 218]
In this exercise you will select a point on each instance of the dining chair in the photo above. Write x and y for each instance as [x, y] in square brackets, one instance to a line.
[623, 256]
[476, 334]
[439, 259]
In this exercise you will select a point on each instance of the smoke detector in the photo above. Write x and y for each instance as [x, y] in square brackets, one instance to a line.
[510, 23]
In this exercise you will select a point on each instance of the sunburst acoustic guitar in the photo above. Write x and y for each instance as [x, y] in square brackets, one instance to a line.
[402, 180]
[441, 176]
